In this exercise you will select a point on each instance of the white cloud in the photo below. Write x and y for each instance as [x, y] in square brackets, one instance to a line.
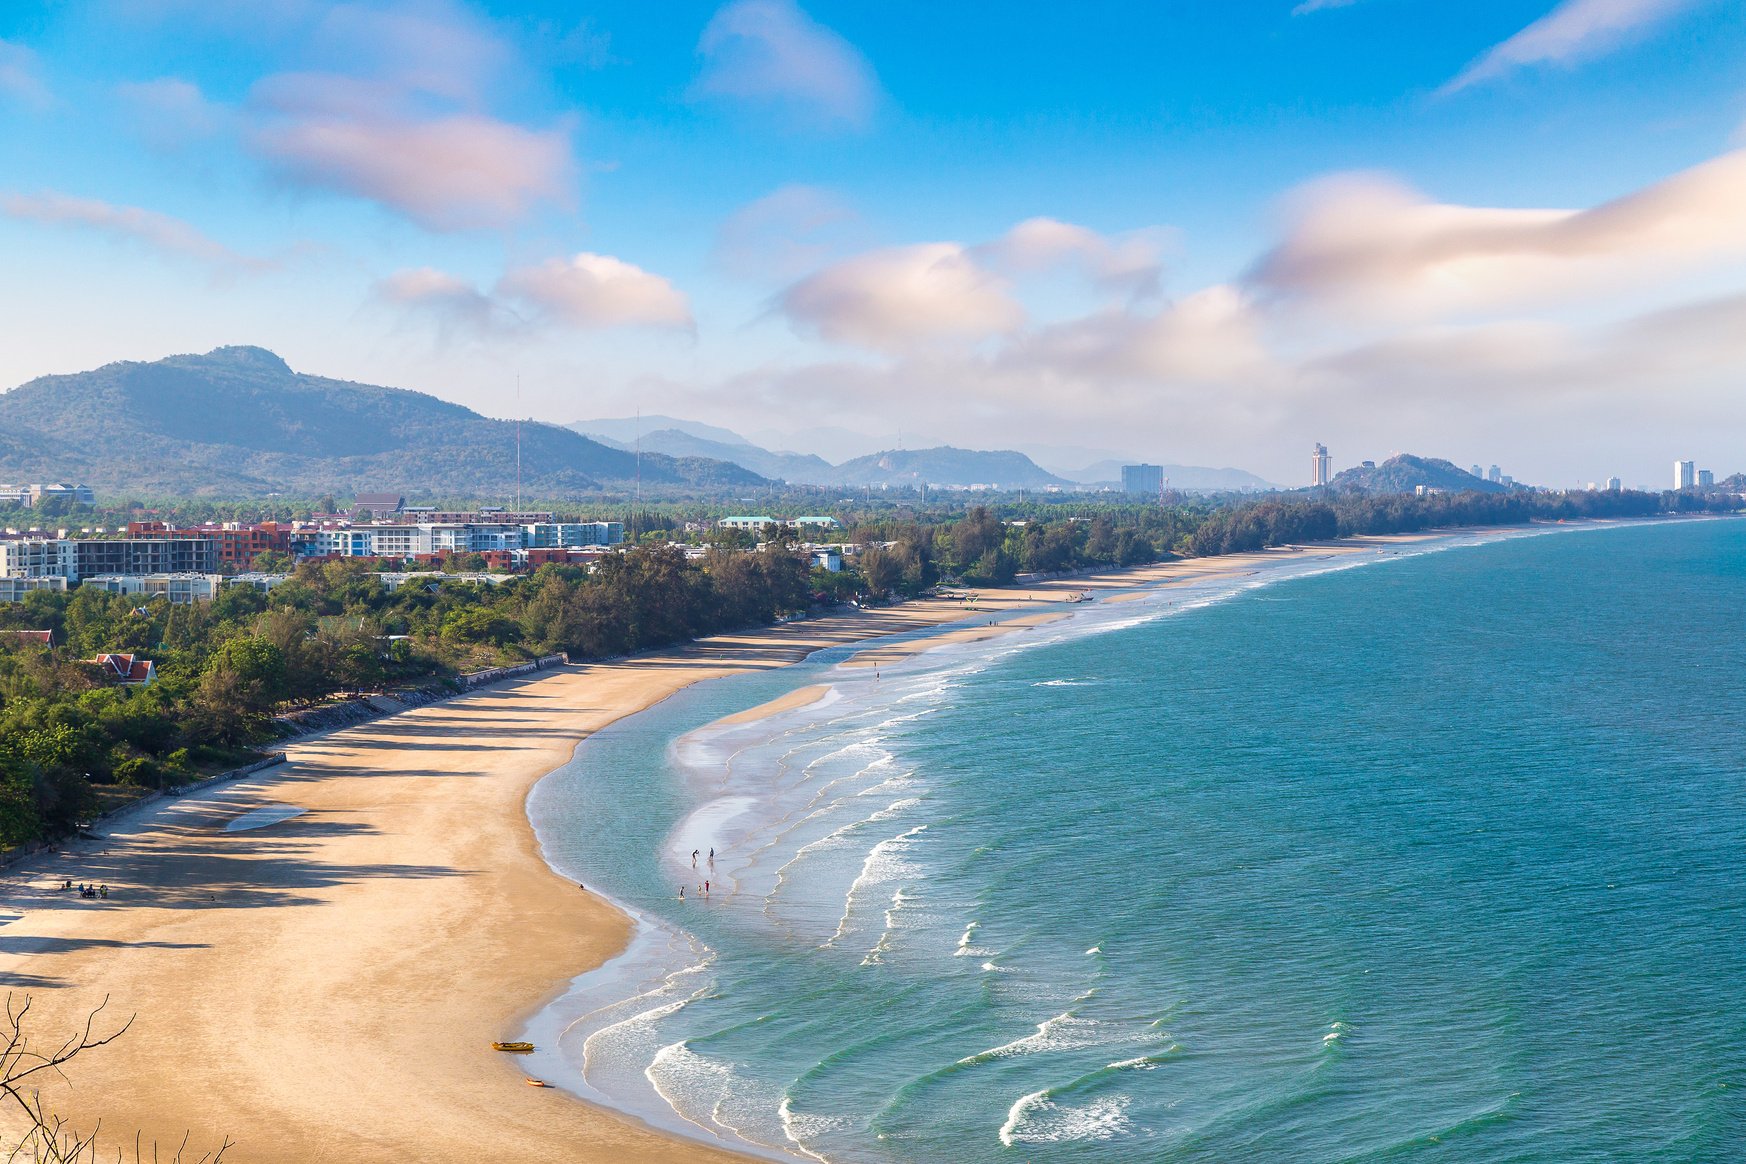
[1309, 6]
[159, 232]
[783, 234]
[585, 292]
[1374, 247]
[1574, 30]
[171, 113]
[20, 78]
[903, 296]
[1131, 263]
[392, 105]
[596, 291]
[769, 52]
[452, 301]
[446, 173]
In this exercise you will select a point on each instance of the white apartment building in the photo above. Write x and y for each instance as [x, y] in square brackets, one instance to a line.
[1684, 474]
[552, 534]
[36, 558]
[180, 589]
[14, 589]
[439, 538]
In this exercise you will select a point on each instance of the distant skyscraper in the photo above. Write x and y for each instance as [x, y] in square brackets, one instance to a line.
[1614, 485]
[1146, 479]
[1319, 463]
[1478, 472]
[1494, 475]
[1684, 475]
[1705, 478]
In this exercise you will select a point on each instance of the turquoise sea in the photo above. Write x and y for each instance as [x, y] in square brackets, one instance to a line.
[1436, 856]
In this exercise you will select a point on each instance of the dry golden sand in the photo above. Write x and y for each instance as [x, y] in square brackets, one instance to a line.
[327, 988]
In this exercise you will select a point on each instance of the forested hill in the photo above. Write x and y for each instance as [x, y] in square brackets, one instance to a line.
[946, 466]
[239, 421]
[1405, 473]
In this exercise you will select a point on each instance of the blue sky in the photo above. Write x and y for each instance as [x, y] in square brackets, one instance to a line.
[1499, 230]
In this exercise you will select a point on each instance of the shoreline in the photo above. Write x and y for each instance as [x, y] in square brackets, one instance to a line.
[593, 999]
[340, 994]
[327, 986]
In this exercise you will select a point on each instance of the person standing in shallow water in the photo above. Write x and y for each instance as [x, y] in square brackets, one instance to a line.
[694, 858]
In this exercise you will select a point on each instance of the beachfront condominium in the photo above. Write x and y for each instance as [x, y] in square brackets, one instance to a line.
[1706, 479]
[1614, 485]
[1143, 479]
[1319, 462]
[1684, 475]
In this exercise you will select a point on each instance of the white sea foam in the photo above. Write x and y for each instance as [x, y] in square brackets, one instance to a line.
[1064, 1032]
[1038, 1119]
[884, 863]
[799, 1128]
[680, 1076]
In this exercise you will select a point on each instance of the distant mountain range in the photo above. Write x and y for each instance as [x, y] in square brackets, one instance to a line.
[944, 467]
[238, 421]
[680, 438]
[1405, 473]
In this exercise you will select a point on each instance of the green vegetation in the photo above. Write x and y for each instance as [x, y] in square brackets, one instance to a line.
[70, 742]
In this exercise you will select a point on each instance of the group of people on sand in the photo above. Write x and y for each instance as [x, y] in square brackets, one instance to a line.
[703, 887]
[88, 890]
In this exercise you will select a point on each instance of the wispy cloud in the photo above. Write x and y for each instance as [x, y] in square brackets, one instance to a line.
[1573, 31]
[172, 113]
[158, 232]
[585, 292]
[1374, 247]
[1130, 264]
[594, 291]
[455, 304]
[900, 297]
[1309, 6]
[769, 52]
[903, 297]
[20, 76]
[784, 234]
[449, 172]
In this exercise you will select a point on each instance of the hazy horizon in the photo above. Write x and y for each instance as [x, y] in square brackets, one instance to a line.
[1508, 233]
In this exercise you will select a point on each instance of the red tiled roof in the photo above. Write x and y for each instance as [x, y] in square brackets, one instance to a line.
[126, 668]
[46, 638]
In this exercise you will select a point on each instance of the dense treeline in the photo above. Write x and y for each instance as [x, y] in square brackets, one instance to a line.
[225, 667]
[1277, 522]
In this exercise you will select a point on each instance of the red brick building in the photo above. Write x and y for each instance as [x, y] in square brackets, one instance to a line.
[237, 542]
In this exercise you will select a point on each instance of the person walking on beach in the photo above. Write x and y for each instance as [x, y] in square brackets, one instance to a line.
[694, 858]
[681, 893]
[706, 889]
[712, 858]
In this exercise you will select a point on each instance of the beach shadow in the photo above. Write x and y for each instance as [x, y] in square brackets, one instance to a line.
[29, 946]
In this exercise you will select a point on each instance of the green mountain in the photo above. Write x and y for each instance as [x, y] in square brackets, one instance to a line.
[1404, 473]
[238, 421]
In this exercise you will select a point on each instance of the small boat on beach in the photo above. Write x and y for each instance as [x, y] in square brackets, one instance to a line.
[518, 1047]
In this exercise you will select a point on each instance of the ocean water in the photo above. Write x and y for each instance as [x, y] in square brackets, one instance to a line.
[1438, 856]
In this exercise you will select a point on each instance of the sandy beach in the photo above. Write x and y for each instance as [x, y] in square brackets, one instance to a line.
[327, 987]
